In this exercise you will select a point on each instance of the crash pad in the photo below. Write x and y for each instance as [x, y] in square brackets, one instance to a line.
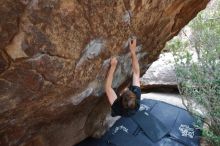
[151, 126]
[155, 124]
[184, 129]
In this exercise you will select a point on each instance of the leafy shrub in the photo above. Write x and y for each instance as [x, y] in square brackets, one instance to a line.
[197, 65]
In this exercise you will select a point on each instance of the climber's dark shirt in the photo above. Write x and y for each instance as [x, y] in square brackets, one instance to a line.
[117, 108]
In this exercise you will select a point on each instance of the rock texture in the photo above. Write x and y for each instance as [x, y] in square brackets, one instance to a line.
[161, 74]
[54, 55]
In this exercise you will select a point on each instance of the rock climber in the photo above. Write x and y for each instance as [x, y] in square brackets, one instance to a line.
[127, 102]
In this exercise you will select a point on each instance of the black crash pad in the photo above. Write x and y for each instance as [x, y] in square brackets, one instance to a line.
[151, 126]
[93, 142]
[155, 124]
[168, 142]
[141, 136]
[167, 114]
[184, 129]
[123, 124]
[122, 138]
[147, 104]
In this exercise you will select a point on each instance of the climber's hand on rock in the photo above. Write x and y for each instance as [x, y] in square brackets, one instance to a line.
[114, 61]
[132, 45]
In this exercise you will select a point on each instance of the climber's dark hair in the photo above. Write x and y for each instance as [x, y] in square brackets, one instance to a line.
[128, 99]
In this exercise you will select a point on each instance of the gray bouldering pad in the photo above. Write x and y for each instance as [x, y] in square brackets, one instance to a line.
[151, 126]
[155, 124]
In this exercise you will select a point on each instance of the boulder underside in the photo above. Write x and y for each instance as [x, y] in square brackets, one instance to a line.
[54, 57]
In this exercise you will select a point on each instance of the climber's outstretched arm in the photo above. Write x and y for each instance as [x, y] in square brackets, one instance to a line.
[108, 85]
[135, 64]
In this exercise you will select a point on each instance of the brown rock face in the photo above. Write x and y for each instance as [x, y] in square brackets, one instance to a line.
[54, 55]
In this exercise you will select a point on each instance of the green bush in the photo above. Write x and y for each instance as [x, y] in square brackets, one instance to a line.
[197, 65]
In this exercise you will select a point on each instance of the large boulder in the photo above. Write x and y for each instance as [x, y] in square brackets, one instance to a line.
[54, 56]
[160, 75]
